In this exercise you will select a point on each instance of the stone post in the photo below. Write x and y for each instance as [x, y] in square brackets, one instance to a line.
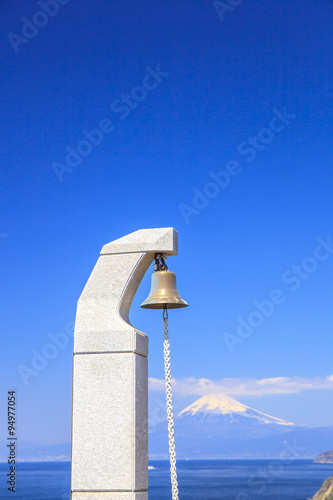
[110, 373]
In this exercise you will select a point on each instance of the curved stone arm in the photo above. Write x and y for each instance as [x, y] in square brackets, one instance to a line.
[102, 321]
[110, 373]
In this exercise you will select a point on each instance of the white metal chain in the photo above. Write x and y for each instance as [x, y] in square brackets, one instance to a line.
[172, 450]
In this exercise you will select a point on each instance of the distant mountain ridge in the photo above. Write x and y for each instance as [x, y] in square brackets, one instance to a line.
[28, 451]
[219, 427]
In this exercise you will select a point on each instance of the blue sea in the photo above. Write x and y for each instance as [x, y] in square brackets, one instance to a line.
[198, 480]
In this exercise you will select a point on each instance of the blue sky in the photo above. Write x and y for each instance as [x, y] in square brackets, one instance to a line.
[242, 97]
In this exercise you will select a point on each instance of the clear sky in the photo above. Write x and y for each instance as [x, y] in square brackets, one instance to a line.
[214, 120]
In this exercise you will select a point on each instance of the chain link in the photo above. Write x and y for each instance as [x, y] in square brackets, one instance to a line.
[167, 370]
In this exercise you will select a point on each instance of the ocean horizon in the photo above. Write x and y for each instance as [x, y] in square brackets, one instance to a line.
[198, 480]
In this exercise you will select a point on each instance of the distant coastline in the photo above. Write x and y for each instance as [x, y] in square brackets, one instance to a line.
[324, 458]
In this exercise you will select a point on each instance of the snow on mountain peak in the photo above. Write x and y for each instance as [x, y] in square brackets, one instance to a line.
[215, 403]
[221, 404]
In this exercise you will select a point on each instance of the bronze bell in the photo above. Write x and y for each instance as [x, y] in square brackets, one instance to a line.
[163, 293]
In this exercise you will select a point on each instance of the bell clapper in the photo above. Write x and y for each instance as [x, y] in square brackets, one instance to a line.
[165, 312]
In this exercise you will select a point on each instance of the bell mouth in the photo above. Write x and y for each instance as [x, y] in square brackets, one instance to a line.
[164, 303]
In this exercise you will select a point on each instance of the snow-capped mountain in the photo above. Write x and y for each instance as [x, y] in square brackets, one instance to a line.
[219, 404]
[217, 426]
